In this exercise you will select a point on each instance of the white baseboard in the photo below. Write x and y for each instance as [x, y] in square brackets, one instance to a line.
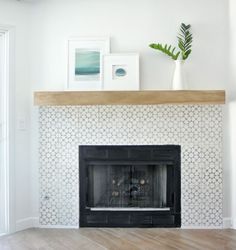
[26, 223]
[234, 223]
[33, 222]
[227, 222]
[58, 227]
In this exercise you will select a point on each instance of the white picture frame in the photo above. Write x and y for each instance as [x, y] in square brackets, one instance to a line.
[121, 71]
[85, 62]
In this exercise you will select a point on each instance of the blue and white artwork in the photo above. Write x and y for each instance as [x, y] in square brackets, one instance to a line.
[87, 65]
[119, 72]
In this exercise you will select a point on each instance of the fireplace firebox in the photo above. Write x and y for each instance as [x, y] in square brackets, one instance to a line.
[130, 186]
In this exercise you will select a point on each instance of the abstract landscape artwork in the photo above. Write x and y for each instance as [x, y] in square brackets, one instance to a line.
[87, 65]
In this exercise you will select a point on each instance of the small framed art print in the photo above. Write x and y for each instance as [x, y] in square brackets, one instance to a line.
[85, 63]
[121, 71]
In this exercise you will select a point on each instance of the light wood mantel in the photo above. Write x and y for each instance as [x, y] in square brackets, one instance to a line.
[148, 97]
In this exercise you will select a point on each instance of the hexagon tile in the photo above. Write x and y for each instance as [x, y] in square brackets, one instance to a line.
[197, 128]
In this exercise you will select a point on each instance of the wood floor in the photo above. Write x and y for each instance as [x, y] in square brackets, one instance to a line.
[122, 239]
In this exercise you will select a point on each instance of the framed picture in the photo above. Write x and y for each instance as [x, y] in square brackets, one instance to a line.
[121, 71]
[85, 63]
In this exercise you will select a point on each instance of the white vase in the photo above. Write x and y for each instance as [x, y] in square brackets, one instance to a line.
[179, 78]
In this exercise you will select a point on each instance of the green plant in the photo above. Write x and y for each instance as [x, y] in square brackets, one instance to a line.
[185, 39]
[168, 50]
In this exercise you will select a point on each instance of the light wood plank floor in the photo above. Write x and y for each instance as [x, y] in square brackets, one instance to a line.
[119, 238]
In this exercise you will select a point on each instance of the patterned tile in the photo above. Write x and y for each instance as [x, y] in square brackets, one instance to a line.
[59, 166]
[197, 128]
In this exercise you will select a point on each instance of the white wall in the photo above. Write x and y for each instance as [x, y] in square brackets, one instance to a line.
[17, 14]
[132, 25]
[232, 107]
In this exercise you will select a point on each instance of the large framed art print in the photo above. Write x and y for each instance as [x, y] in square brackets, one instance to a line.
[85, 63]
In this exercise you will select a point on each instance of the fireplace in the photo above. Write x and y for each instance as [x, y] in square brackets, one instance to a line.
[130, 186]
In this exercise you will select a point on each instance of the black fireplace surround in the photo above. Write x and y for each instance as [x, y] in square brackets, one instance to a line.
[130, 186]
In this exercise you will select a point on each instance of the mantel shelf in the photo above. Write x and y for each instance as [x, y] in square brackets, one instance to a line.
[148, 97]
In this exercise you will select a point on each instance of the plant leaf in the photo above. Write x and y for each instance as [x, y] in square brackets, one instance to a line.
[168, 50]
[185, 39]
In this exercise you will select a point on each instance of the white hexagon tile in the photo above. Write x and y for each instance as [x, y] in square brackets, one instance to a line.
[197, 128]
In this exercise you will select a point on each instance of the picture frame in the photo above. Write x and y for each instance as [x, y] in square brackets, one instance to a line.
[85, 62]
[121, 71]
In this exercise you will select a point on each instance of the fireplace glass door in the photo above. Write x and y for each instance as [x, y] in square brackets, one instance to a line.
[129, 186]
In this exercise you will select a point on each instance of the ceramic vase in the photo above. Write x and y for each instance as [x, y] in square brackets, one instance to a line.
[179, 77]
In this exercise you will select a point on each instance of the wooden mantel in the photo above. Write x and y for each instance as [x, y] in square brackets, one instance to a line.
[149, 97]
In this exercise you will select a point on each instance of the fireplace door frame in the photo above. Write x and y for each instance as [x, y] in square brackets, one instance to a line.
[170, 154]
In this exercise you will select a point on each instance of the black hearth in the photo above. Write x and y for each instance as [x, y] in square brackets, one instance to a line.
[130, 186]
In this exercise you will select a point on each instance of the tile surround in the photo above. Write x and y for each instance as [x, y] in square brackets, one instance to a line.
[197, 128]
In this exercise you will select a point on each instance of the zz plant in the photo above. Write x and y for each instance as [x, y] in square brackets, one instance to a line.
[185, 39]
